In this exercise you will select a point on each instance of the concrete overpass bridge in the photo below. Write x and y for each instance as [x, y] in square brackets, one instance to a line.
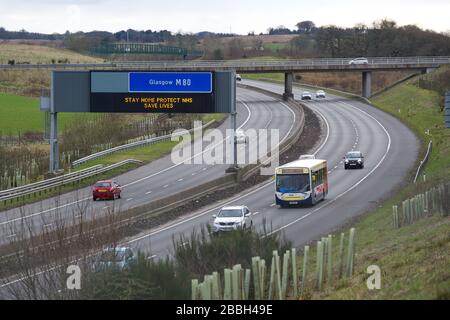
[288, 67]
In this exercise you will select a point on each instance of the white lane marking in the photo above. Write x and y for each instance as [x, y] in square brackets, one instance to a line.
[165, 186]
[273, 204]
[328, 132]
[48, 225]
[193, 217]
[354, 127]
[173, 225]
[193, 174]
[133, 182]
[11, 235]
[203, 169]
[195, 155]
[355, 185]
[106, 207]
[45, 211]
[148, 192]
[179, 180]
[152, 257]
[255, 213]
[129, 199]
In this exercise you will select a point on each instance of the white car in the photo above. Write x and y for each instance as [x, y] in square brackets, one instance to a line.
[241, 137]
[232, 218]
[238, 77]
[306, 95]
[307, 156]
[320, 94]
[359, 61]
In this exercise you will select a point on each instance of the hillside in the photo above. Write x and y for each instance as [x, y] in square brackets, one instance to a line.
[30, 53]
[414, 259]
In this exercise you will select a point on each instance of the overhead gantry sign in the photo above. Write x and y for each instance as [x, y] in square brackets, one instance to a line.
[136, 91]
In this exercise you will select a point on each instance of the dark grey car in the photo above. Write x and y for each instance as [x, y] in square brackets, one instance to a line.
[354, 159]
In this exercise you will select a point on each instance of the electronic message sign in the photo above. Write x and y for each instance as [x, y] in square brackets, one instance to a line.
[177, 92]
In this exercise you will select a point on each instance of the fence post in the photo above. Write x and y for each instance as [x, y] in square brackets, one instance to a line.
[235, 281]
[256, 277]
[395, 216]
[442, 199]
[350, 252]
[262, 276]
[247, 283]
[294, 272]
[305, 267]
[194, 284]
[227, 284]
[410, 207]
[285, 277]
[272, 278]
[206, 288]
[215, 286]
[278, 273]
[330, 259]
[319, 265]
[341, 255]
[325, 254]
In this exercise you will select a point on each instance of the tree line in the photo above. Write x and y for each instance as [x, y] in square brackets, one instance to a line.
[381, 38]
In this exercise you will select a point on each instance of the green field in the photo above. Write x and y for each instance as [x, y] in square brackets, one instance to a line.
[40, 54]
[419, 109]
[21, 114]
[275, 46]
[146, 153]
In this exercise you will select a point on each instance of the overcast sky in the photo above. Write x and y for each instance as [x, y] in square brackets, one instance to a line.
[243, 16]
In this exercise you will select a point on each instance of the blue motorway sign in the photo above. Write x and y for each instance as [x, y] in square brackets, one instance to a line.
[170, 82]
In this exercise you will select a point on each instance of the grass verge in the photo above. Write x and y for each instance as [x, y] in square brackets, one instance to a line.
[415, 259]
[22, 114]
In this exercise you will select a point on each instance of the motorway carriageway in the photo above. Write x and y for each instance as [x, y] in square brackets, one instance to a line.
[152, 181]
[390, 150]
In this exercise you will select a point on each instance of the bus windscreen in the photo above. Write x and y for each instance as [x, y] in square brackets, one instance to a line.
[293, 183]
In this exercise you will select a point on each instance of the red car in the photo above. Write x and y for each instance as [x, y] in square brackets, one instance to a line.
[106, 189]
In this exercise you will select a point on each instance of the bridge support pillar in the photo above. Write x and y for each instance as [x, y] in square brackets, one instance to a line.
[367, 84]
[288, 78]
[428, 70]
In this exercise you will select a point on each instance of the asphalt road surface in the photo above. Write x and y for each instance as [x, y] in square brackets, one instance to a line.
[390, 150]
[155, 180]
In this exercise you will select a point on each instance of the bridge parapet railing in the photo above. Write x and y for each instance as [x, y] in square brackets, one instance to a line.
[236, 64]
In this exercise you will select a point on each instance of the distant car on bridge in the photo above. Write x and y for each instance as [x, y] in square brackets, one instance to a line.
[238, 77]
[359, 61]
[306, 95]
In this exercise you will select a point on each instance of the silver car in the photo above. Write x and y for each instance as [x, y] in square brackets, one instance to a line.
[232, 218]
[359, 61]
[320, 94]
[306, 95]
